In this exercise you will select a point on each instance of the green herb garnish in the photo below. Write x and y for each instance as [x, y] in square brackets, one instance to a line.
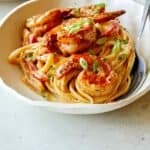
[92, 52]
[122, 56]
[124, 42]
[101, 5]
[101, 41]
[45, 94]
[76, 27]
[104, 59]
[96, 11]
[73, 28]
[95, 65]
[29, 57]
[51, 77]
[76, 12]
[83, 63]
[125, 28]
[117, 47]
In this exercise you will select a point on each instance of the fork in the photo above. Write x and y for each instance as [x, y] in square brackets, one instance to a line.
[139, 69]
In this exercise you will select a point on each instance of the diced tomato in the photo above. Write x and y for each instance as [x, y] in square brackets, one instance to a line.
[50, 42]
[32, 38]
[96, 49]
[40, 76]
[37, 74]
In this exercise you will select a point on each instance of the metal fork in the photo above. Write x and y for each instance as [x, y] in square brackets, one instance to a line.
[139, 69]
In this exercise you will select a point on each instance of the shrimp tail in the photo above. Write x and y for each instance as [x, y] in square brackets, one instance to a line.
[103, 17]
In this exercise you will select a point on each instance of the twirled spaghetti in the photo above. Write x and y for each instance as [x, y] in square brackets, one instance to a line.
[76, 55]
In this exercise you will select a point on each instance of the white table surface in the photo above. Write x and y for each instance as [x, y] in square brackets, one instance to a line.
[23, 127]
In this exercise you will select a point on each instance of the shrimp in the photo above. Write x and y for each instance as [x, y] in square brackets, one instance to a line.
[86, 11]
[66, 68]
[74, 29]
[77, 34]
[73, 64]
[96, 13]
[38, 25]
[52, 16]
[74, 35]
[98, 84]
[101, 82]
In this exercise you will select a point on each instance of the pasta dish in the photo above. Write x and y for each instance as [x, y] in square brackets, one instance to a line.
[76, 55]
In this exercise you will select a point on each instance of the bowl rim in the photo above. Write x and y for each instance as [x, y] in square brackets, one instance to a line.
[45, 103]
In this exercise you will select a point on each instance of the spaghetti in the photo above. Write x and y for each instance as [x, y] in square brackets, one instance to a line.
[76, 55]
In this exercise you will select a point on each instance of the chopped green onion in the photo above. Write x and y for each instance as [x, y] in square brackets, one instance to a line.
[97, 90]
[101, 5]
[125, 28]
[124, 42]
[117, 47]
[91, 52]
[88, 20]
[51, 69]
[76, 12]
[83, 63]
[45, 94]
[96, 11]
[101, 41]
[104, 59]
[51, 77]
[122, 56]
[76, 27]
[72, 28]
[29, 57]
[95, 65]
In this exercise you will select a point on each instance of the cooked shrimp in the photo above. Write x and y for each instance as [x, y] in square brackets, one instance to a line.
[86, 11]
[96, 12]
[66, 68]
[74, 35]
[52, 16]
[97, 84]
[71, 35]
[73, 64]
[106, 16]
[100, 83]
[36, 26]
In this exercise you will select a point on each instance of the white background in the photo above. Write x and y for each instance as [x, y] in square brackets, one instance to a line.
[23, 127]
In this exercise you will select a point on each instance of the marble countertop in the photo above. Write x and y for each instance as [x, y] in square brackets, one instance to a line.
[24, 127]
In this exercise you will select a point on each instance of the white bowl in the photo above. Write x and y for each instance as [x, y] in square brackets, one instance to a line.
[10, 38]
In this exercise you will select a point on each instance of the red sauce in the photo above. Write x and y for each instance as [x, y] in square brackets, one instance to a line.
[87, 57]
[98, 79]
[32, 38]
[95, 79]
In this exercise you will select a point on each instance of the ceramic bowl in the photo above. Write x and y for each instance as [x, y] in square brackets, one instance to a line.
[10, 38]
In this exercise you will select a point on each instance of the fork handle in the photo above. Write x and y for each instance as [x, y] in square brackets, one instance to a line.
[142, 23]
